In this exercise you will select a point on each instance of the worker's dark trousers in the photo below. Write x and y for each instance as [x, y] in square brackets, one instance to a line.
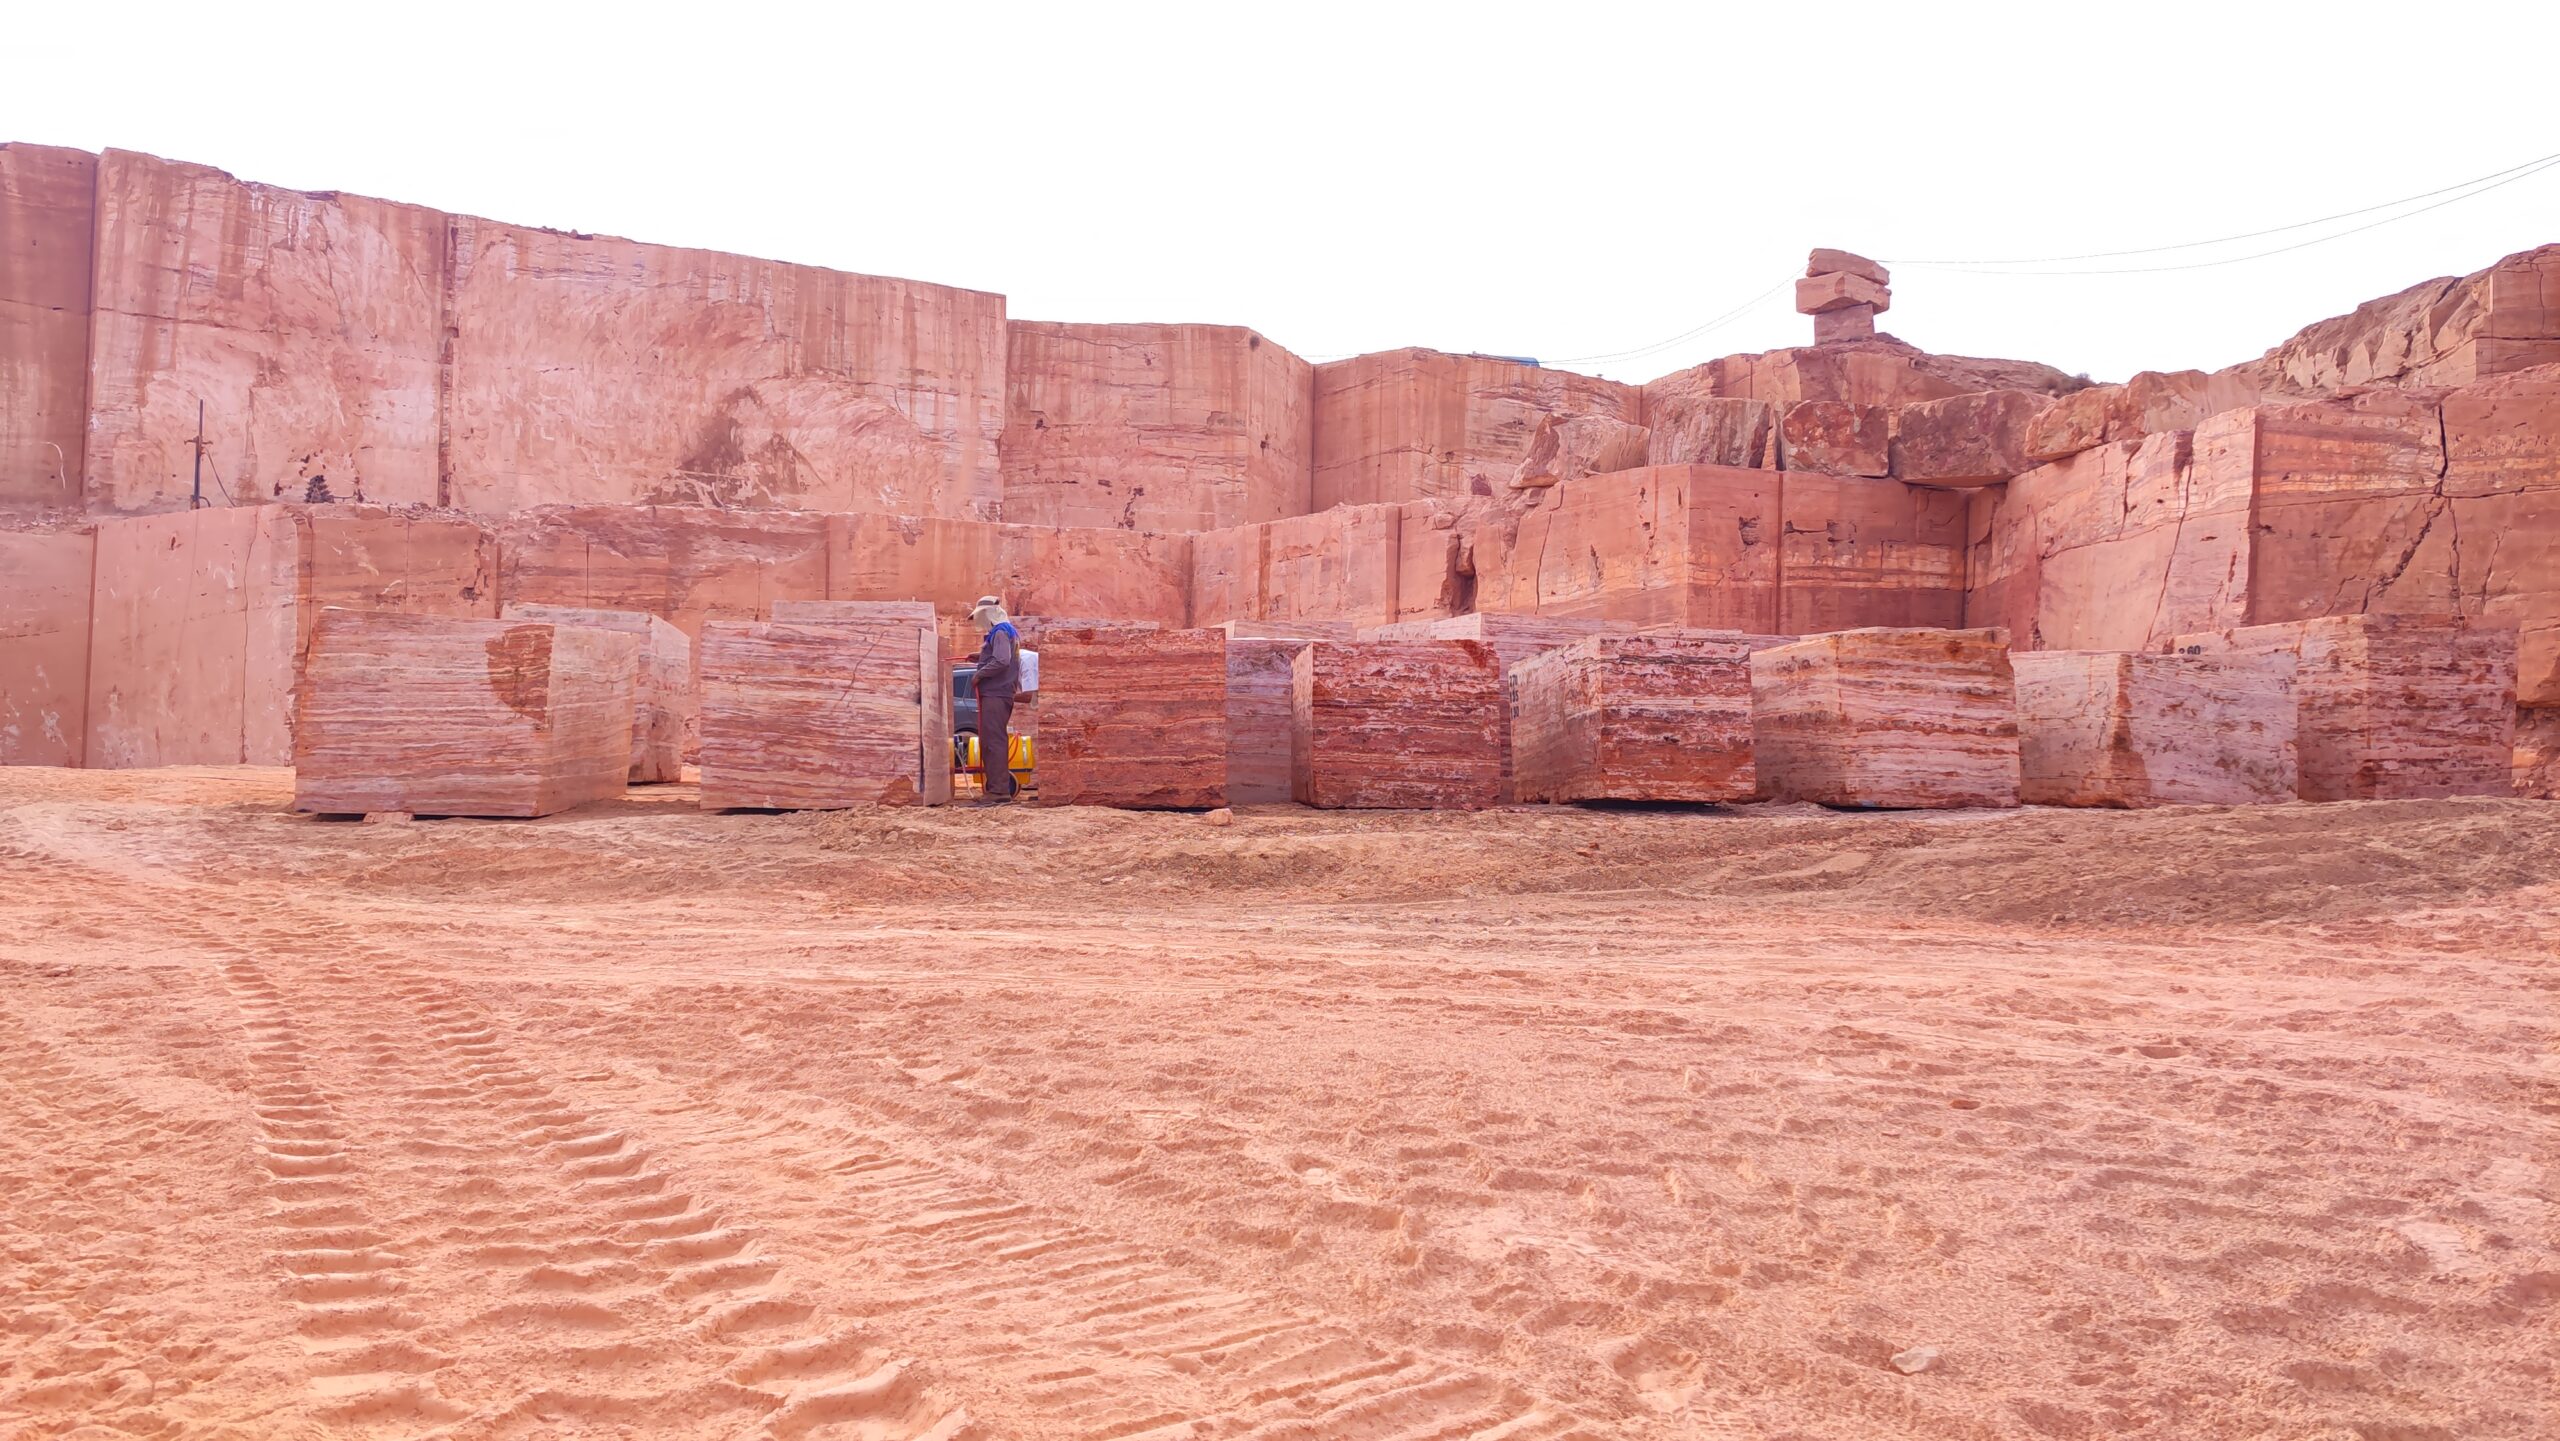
[995, 743]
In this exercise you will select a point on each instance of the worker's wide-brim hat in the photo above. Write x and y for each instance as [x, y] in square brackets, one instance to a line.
[988, 608]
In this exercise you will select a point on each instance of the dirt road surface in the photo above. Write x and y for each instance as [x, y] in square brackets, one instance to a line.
[1052, 1124]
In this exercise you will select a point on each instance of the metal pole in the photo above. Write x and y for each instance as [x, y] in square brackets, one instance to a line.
[195, 501]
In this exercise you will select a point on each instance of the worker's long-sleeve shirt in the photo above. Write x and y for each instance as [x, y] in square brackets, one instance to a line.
[999, 664]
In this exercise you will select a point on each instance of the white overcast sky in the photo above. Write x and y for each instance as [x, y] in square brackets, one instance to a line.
[1560, 180]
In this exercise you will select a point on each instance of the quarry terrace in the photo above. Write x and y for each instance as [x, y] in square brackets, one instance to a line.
[1836, 893]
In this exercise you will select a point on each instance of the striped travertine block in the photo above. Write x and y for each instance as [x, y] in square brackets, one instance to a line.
[437, 715]
[2109, 728]
[1916, 718]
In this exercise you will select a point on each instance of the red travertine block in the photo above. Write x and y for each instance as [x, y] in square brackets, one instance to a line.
[438, 716]
[1965, 440]
[44, 646]
[662, 708]
[1396, 725]
[1289, 630]
[1258, 693]
[1133, 718]
[2391, 707]
[1664, 716]
[2110, 728]
[824, 715]
[1921, 718]
[1153, 427]
[308, 323]
[1513, 639]
[48, 204]
[1571, 448]
[1826, 261]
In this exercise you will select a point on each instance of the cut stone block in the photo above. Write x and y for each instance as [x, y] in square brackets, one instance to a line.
[1414, 725]
[1513, 638]
[1847, 323]
[2108, 728]
[445, 717]
[662, 713]
[1916, 718]
[824, 715]
[1693, 428]
[1133, 718]
[1581, 445]
[1258, 691]
[1664, 716]
[44, 646]
[2391, 707]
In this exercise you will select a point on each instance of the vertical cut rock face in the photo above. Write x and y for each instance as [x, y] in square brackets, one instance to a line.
[1915, 718]
[48, 202]
[1407, 425]
[1153, 427]
[1258, 691]
[824, 715]
[44, 646]
[1664, 716]
[1133, 718]
[439, 716]
[2105, 728]
[662, 708]
[1397, 725]
[2391, 707]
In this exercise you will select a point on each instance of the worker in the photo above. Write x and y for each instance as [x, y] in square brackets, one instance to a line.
[999, 667]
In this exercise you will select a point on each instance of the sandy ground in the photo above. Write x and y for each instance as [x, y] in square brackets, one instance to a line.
[1054, 1124]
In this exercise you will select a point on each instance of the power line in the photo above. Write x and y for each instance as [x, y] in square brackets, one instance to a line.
[2493, 180]
[1685, 336]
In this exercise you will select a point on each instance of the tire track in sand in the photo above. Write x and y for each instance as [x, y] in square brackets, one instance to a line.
[576, 1283]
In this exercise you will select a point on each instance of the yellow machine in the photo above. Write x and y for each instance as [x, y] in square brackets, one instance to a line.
[968, 768]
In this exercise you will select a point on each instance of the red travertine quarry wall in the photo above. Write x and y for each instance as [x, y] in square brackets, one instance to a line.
[199, 619]
[1153, 427]
[587, 369]
[1678, 545]
[1858, 552]
[1422, 425]
[306, 324]
[48, 202]
[689, 564]
[44, 646]
[1877, 371]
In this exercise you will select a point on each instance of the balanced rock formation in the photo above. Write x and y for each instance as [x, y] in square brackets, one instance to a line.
[662, 714]
[824, 715]
[2109, 728]
[1844, 294]
[1663, 716]
[1888, 718]
[1396, 725]
[439, 716]
[1133, 718]
[2391, 707]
